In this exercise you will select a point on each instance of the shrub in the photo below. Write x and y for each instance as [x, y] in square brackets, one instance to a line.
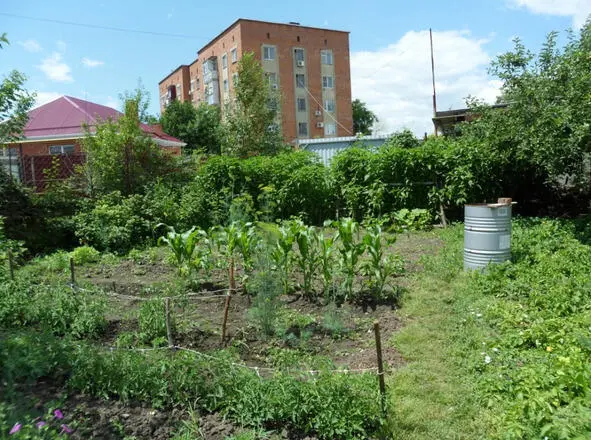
[152, 322]
[85, 255]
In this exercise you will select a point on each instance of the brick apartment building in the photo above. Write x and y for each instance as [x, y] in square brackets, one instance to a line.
[309, 66]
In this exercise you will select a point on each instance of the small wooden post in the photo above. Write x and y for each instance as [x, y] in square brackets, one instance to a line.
[381, 379]
[72, 274]
[168, 323]
[11, 264]
[225, 321]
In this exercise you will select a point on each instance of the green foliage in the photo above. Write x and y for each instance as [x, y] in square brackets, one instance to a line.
[198, 127]
[248, 127]
[363, 118]
[120, 156]
[413, 219]
[85, 255]
[350, 251]
[403, 139]
[182, 245]
[267, 288]
[152, 322]
[308, 254]
[114, 223]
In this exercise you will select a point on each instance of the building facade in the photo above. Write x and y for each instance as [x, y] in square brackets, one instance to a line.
[310, 68]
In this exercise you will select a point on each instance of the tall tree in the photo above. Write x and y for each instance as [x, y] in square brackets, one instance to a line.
[363, 118]
[199, 128]
[15, 102]
[252, 116]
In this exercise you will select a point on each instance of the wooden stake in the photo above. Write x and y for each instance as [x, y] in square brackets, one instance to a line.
[224, 323]
[381, 379]
[72, 274]
[168, 323]
[11, 264]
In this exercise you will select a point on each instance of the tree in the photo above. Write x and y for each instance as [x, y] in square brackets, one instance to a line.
[199, 128]
[363, 118]
[120, 156]
[404, 139]
[15, 102]
[251, 125]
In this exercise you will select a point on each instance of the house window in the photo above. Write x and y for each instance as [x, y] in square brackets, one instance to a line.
[271, 78]
[226, 86]
[301, 104]
[329, 105]
[300, 80]
[234, 55]
[330, 129]
[8, 151]
[326, 57]
[268, 53]
[302, 128]
[61, 149]
[192, 86]
[225, 61]
[327, 82]
[178, 90]
[299, 54]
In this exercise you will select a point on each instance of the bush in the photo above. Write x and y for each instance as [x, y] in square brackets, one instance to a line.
[85, 255]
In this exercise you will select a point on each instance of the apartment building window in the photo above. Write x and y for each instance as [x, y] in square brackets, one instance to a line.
[271, 78]
[330, 129]
[225, 61]
[61, 149]
[234, 79]
[326, 57]
[301, 104]
[273, 104]
[178, 90]
[329, 105]
[268, 53]
[300, 80]
[327, 82]
[299, 54]
[234, 55]
[226, 86]
[302, 128]
[192, 88]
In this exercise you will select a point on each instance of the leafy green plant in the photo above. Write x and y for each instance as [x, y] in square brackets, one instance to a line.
[152, 322]
[282, 252]
[85, 255]
[266, 288]
[350, 252]
[327, 248]
[413, 219]
[307, 257]
[182, 245]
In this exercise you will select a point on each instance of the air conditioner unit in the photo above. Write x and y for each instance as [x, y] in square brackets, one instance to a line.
[301, 64]
[320, 125]
[318, 112]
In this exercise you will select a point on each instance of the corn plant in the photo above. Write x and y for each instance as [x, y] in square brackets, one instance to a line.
[378, 268]
[350, 252]
[308, 256]
[204, 254]
[325, 258]
[282, 252]
[227, 238]
[182, 245]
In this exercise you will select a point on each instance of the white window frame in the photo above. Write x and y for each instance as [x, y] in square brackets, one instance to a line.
[225, 61]
[326, 57]
[234, 55]
[330, 129]
[298, 101]
[268, 51]
[297, 51]
[300, 125]
[271, 78]
[328, 82]
[304, 83]
[62, 149]
[226, 86]
[328, 107]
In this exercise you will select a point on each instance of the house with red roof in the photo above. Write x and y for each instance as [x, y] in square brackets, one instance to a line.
[54, 132]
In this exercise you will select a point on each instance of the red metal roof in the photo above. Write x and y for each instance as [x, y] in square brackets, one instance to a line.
[64, 117]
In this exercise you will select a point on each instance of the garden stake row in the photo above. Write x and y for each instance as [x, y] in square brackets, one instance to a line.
[381, 380]
[11, 264]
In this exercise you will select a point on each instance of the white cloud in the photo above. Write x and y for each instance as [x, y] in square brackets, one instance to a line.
[61, 45]
[31, 45]
[45, 97]
[92, 63]
[579, 10]
[55, 69]
[395, 81]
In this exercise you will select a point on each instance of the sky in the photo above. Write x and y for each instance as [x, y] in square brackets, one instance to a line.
[389, 44]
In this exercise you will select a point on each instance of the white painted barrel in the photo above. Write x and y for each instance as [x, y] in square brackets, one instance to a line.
[487, 235]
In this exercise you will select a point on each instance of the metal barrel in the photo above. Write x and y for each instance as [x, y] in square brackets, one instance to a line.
[487, 235]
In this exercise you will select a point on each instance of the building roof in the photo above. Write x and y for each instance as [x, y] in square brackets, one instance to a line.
[64, 117]
[182, 66]
[462, 111]
[265, 22]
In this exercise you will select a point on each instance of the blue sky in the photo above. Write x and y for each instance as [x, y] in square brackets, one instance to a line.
[390, 62]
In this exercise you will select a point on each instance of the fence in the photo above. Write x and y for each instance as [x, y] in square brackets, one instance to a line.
[39, 171]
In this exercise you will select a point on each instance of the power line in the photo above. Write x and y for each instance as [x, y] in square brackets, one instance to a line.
[96, 26]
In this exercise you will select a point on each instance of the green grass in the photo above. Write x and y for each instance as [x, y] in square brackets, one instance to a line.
[433, 395]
